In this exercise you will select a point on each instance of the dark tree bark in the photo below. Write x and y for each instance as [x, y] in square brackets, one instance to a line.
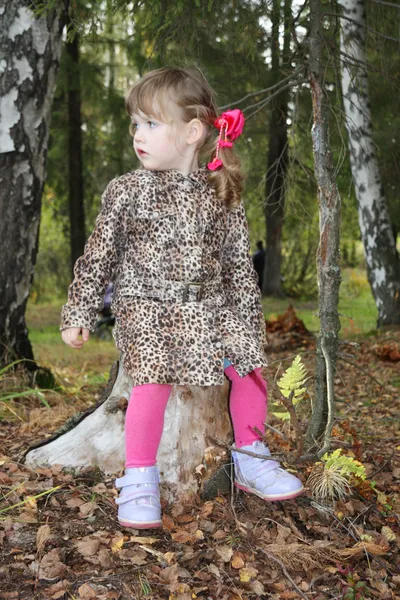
[328, 249]
[277, 160]
[30, 48]
[381, 256]
[75, 163]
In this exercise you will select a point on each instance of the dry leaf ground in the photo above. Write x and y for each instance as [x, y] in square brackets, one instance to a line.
[66, 543]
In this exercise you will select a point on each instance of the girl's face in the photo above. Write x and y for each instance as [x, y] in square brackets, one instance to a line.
[158, 145]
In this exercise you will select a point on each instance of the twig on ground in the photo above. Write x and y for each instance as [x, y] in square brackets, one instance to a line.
[284, 571]
[382, 466]
[341, 357]
[274, 430]
[229, 448]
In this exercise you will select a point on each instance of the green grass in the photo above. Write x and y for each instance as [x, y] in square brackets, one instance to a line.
[90, 365]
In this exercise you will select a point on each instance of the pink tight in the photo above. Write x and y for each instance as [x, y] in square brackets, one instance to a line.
[145, 415]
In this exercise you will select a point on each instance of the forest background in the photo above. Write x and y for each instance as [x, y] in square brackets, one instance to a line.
[232, 44]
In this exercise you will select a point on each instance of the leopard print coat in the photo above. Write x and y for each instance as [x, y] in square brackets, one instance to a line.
[157, 231]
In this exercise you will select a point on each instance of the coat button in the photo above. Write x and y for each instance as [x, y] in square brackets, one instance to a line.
[156, 214]
[218, 345]
[210, 314]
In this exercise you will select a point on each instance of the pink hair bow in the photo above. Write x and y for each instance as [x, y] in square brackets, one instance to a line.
[230, 125]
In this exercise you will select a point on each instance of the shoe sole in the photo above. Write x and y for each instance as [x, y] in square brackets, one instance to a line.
[140, 525]
[269, 498]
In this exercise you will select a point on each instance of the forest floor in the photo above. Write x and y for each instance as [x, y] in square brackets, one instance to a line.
[59, 537]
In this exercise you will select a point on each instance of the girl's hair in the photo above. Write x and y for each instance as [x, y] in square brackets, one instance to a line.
[194, 98]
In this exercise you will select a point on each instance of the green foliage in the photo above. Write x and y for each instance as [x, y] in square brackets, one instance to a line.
[347, 465]
[231, 42]
[291, 384]
[356, 284]
[52, 271]
[293, 380]
[332, 478]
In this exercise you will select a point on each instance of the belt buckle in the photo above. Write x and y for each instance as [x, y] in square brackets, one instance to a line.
[199, 290]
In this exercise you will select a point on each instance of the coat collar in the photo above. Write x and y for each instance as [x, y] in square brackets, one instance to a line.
[172, 177]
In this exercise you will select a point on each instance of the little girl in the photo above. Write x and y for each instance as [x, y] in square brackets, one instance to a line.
[173, 237]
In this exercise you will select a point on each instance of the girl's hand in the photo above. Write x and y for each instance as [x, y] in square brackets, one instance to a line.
[71, 336]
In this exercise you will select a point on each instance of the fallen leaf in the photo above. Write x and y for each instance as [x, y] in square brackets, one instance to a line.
[105, 559]
[381, 497]
[168, 523]
[74, 502]
[87, 509]
[87, 592]
[30, 503]
[51, 567]
[181, 536]
[207, 509]
[57, 590]
[237, 561]
[257, 587]
[117, 542]
[213, 569]
[224, 552]
[143, 540]
[170, 557]
[185, 519]
[219, 535]
[172, 574]
[88, 546]
[247, 574]
[137, 556]
[388, 534]
[42, 535]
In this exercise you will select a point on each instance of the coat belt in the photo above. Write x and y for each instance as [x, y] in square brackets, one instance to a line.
[180, 291]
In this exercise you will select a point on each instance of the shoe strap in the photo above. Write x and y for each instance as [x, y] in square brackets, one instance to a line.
[138, 477]
[267, 466]
[139, 493]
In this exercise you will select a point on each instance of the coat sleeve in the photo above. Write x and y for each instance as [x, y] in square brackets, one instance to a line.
[94, 269]
[240, 278]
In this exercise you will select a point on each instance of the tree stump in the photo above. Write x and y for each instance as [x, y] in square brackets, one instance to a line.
[188, 461]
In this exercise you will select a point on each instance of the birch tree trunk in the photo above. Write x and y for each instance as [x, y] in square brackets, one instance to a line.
[30, 51]
[187, 459]
[328, 249]
[382, 259]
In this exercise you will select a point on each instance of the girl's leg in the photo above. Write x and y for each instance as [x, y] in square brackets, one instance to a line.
[144, 423]
[248, 405]
[139, 498]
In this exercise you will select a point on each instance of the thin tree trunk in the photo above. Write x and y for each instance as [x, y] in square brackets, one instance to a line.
[277, 161]
[382, 259]
[328, 249]
[30, 48]
[75, 163]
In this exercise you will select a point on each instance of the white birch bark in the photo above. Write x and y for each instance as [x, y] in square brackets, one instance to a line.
[192, 415]
[382, 259]
[30, 50]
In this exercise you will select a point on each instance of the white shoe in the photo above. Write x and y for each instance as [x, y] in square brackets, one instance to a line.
[264, 478]
[139, 499]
